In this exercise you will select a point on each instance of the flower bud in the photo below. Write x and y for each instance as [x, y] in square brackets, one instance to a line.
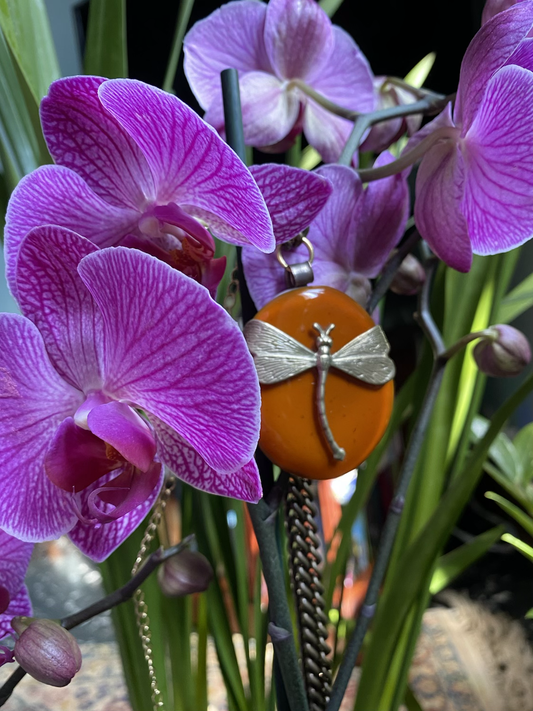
[185, 573]
[46, 651]
[504, 354]
[409, 278]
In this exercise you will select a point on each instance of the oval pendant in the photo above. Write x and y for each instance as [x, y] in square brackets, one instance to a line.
[326, 381]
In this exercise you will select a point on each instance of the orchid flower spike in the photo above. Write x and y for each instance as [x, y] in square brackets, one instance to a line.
[474, 187]
[136, 166]
[352, 236]
[119, 365]
[14, 600]
[286, 52]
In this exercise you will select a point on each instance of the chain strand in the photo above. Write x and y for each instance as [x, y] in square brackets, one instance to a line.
[141, 608]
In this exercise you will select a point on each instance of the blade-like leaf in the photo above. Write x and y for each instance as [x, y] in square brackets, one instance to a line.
[330, 7]
[526, 550]
[419, 73]
[523, 444]
[184, 15]
[106, 53]
[517, 301]
[519, 516]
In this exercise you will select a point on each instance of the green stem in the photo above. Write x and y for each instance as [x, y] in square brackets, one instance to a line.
[184, 14]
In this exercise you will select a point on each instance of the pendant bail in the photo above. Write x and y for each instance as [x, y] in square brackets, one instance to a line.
[300, 274]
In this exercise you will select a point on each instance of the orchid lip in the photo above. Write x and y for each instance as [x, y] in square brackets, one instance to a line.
[172, 219]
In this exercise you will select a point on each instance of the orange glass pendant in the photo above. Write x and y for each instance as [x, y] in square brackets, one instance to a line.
[326, 381]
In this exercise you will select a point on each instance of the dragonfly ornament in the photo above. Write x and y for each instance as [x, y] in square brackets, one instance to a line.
[278, 356]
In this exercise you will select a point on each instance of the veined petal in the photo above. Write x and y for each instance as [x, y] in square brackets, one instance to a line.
[293, 197]
[14, 558]
[82, 136]
[34, 401]
[241, 24]
[52, 295]
[324, 131]
[191, 164]
[486, 53]
[384, 213]
[523, 55]
[98, 541]
[124, 493]
[188, 465]
[298, 37]
[498, 151]
[439, 193]
[52, 195]
[175, 353]
[20, 605]
[265, 277]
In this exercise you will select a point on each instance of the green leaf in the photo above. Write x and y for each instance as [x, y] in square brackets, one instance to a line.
[106, 52]
[529, 614]
[527, 551]
[519, 516]
[523, 444]
[330, 7]
[310, 158]
[27, 30]
[502, 451]
[419, 73]
[184, 15]
[411, 702]
[451, 565]
[517, 301]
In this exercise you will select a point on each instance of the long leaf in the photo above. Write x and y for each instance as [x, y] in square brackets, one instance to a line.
[184, 15]
[517, 301]
[526, 550]
[106, 51]
[330, 7]
[519, 516]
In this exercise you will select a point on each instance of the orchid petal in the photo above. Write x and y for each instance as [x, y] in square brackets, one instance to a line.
[498, 199]
[52, 295]
[20, 606]
[82, 136]
[121, 427]
[438, 215]
[188, 465]
[523, 55]
[265, 277]
[98, 541]
[241, 24]
[298, 37]
[35, 400]
[124, 493]
[488, 51]
[14, 559]
[52, 195]
[385, 209]
[294, 197]
[493, 7]
[192, 166]
[326, 132]
[176, 354]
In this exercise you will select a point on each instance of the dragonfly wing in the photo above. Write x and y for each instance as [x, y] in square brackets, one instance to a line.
[366, 358]
[277, 356]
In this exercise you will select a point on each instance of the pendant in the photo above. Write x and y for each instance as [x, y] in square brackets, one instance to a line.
[326, 378]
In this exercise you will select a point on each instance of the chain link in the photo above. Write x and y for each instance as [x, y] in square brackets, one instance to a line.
[141, 608]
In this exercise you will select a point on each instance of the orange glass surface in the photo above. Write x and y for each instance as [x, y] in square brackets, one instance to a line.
[358, 413]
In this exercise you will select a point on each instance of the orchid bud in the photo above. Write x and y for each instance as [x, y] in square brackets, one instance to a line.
[186, 573]
[46, 651]
[503, 354]
[409, 278]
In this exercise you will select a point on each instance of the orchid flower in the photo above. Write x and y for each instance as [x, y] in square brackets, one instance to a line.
[14, 599]
[119, 365]
[474, 188]
[286, 52]
[352, 237]
[493, 7]
[135, 165]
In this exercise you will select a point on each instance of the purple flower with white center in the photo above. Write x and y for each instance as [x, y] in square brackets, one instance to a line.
[474, 187]
[352, 236]
[136, 165]
[119, 365]
[284, 51]
[14, 600]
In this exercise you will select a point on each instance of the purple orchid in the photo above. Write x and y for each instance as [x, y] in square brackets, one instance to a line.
[352, 236]
[474, 188]
[14, 599]
[493, 7]
[285, 51]
[119, 365]
[135, 165]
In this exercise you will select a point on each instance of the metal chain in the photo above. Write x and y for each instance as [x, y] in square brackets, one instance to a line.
[141, 608]
[305, 570]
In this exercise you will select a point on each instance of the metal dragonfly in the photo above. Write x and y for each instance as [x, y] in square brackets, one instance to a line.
[278, 357]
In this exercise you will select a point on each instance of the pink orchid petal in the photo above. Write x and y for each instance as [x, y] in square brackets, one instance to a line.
[192, 166]
[14, 558]
[298, 37]
[98, 541]
[34, 401]
[523, 55]
[124, 493]
[82, 136]
[385, 209]
[5, 599]
[52, 195]
[188, 465]
[498, 198]
[176, 354]
[488, 51]
[241, 24]
[294, 197]
[52, 295]
[76, 458]
[493, 7]
[20, 606]
[443, 120]
[212, 274]
[438, 215]
[265, 277]
[173, 214]
[121, 427]
[326, 132]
